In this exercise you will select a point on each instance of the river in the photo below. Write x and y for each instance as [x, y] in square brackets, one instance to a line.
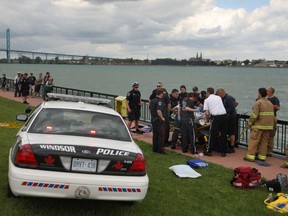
[241, 83]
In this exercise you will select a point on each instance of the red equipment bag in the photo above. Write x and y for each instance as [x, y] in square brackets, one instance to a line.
[246, 177]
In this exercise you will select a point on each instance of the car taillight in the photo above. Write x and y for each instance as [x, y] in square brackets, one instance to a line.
[25, 156]
[138, 165]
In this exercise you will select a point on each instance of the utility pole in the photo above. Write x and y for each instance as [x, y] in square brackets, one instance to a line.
[8, 45]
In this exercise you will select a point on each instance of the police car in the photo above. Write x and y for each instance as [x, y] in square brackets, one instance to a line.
[76, 150]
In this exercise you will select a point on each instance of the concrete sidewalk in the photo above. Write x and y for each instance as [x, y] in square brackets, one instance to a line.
[231, 161]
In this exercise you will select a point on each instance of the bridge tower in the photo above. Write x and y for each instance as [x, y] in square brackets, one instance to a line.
[8, 45]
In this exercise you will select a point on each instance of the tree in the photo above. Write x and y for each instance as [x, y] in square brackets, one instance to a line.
[38, 60]
[246, 62]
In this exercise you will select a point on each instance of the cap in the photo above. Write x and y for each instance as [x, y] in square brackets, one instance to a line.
[135, 84]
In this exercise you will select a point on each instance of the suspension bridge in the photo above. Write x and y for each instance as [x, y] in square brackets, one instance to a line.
[20, 53]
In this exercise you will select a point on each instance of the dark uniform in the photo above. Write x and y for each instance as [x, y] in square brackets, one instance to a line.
[153, 95]
[181, 96]
[24, 87]
[177, 129]
[188, 130]
[275, 101]
[166, 112]
[133, 97]
[230, 107]
[157, 124]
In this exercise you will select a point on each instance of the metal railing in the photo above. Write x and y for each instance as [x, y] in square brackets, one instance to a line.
[280, 140]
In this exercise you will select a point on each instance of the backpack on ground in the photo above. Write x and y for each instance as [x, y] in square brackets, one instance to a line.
[277, 185]
[246, 177]
[279, 203]
[197, 163]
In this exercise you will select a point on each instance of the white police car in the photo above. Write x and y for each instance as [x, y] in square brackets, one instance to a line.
[76, 150]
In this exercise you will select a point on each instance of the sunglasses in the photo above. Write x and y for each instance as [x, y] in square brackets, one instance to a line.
[136, 87]
[159, 86]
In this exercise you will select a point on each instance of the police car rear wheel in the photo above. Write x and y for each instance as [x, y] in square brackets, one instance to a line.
[128, 203]
[8, 191]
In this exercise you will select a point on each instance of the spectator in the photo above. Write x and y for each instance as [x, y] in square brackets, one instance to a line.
[17, 81]
[4, 82]
[48, 87]
[31, 81]
[38, 83]
[24, 86]
[45, 79]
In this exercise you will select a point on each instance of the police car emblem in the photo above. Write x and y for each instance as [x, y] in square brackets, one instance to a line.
[86, 151]
[82, 192]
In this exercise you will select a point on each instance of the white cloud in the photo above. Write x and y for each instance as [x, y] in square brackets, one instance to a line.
[162, 28]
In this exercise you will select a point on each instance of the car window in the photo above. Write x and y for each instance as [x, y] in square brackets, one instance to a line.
[79, 123]
[26, 125]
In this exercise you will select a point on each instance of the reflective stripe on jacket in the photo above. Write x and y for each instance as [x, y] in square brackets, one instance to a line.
[262, 116]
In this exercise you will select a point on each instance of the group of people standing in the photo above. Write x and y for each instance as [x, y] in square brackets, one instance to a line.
[220, 112]
[26, 85]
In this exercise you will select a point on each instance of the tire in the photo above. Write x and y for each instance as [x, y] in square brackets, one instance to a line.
[128, 203]
[9, 193]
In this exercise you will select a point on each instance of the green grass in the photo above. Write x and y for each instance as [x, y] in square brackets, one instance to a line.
[211, 194]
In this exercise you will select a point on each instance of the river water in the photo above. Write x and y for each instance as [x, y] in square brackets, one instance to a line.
[241, 83]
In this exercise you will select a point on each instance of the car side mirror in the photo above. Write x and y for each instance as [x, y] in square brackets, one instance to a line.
[22, 117]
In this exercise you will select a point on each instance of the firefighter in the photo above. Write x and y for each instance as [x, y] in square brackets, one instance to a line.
[261, 123]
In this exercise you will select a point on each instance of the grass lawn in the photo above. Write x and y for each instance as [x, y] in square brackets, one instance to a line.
[211, 194]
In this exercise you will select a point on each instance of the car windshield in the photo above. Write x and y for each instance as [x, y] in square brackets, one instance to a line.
[79, 123]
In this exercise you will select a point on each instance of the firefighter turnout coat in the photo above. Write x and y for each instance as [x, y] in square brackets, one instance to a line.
[262, 121]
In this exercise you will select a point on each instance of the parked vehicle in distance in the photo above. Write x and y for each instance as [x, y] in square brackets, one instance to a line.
[76, 150]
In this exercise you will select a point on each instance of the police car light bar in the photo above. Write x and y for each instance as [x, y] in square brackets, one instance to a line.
[74, 98]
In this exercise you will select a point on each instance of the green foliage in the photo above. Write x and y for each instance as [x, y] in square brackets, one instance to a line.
[211, 194]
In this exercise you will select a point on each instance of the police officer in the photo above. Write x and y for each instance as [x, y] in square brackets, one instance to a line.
[166, 111]
[157, 108]
[261, 123]
[133, 102]
[159, 85]
[174, 101]
[188, 107]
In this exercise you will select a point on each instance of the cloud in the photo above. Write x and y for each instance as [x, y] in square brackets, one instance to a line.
[162, 28]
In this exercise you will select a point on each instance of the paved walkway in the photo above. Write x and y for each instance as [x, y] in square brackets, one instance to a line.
[231, 161]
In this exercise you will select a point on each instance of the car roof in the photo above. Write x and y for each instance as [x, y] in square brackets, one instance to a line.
[79, 106]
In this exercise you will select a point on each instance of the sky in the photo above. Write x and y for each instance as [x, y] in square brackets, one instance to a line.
[220, 29]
